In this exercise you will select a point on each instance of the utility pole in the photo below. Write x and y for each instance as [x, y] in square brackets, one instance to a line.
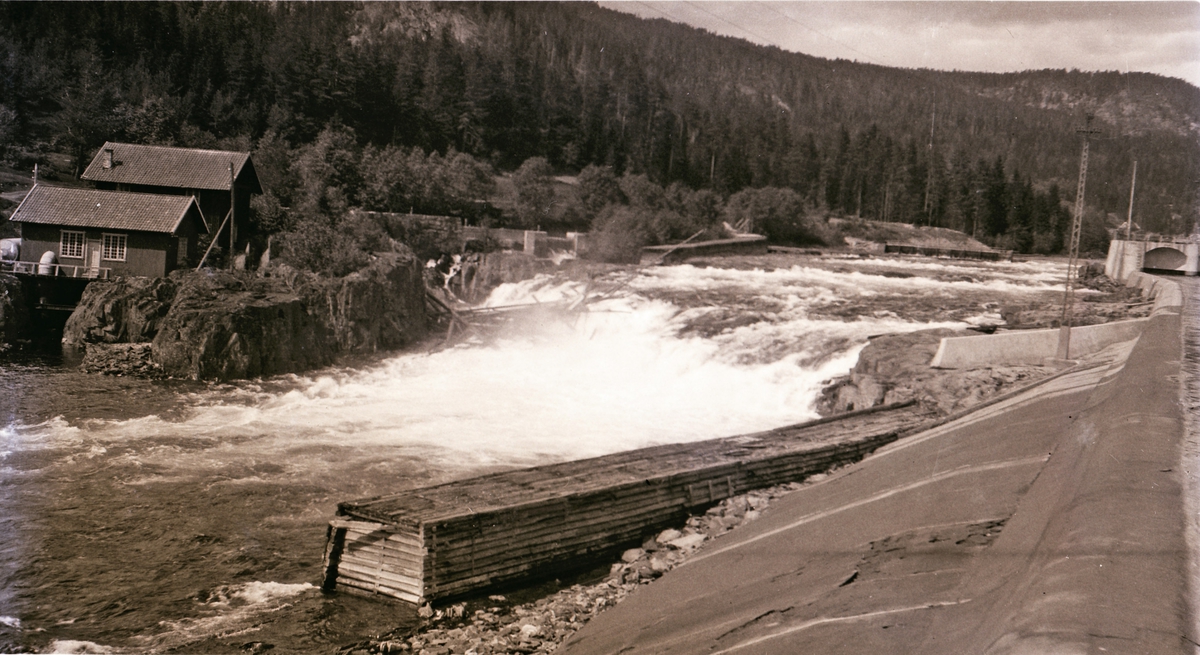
[1132, 186]
[232, 221]
[1064, 333]
[929, 179]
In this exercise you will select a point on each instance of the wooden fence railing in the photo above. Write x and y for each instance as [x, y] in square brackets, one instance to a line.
[55, 270]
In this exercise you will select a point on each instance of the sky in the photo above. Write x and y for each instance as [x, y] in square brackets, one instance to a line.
[989, 36]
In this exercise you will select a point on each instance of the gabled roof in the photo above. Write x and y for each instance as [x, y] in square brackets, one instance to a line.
[109, 210]
[182, 168]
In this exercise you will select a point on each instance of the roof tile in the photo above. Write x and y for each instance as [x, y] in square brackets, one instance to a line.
[115, 210]
[184, 168]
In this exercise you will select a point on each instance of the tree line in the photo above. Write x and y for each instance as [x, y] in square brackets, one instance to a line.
[411, 91]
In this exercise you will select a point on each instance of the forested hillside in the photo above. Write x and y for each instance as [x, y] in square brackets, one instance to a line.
[402, 89]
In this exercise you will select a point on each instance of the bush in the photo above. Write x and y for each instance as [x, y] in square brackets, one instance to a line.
[776, 213]
[316, 247]
[620, 234]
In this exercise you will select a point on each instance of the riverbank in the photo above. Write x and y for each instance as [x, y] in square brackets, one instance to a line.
[224, 491]
[891, 368]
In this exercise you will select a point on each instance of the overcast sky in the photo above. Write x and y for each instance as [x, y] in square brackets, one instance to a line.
[1154, 37]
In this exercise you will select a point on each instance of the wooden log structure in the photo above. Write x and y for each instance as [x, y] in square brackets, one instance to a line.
[463, 537]
[954, 253]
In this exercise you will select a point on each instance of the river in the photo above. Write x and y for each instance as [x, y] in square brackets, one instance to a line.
[169, 516]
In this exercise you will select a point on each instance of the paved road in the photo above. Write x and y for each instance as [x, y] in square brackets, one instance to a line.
[1052, 522]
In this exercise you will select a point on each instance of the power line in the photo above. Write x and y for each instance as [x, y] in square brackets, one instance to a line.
[820, 33]
[746, 30]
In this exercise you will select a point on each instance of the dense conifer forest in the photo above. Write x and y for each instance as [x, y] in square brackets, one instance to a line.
[415, 106]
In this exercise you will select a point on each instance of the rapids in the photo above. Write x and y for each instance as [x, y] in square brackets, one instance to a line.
[143, 516]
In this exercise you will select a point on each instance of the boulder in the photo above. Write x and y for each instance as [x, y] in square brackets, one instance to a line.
[381, 307]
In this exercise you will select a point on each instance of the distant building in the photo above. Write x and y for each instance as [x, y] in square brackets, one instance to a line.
[129, 233]
[206, 174]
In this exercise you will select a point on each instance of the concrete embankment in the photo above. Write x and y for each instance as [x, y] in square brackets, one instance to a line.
[1034, 347]
[1050, 522]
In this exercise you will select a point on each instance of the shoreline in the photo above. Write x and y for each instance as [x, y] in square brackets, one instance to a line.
[497, 625]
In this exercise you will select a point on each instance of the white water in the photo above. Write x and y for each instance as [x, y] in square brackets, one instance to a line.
[674, 354]
[634, 371]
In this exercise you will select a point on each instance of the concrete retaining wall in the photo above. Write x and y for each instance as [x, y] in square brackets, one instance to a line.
[1030, 347]
[1034, 347]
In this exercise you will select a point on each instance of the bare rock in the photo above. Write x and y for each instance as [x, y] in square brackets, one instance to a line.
[124, 310]
[223, 327]
[14, 311]
[134, 359]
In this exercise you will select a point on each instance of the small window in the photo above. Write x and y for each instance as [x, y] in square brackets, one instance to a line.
[181, 258]
[71, 244]
[113, 248]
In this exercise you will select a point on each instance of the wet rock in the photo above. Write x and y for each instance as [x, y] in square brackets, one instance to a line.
[895, 368]
[217, 325]
[121, 359]
[124, 310]
[14, 312]
[224, 328]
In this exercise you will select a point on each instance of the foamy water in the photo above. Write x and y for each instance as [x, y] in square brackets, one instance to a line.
[670, 354]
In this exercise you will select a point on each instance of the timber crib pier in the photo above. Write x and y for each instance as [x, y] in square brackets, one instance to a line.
[462, 537]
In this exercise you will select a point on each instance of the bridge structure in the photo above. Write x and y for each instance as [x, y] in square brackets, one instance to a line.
[1153, 254]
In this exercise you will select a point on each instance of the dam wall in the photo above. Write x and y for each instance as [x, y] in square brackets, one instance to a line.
[1104, 520]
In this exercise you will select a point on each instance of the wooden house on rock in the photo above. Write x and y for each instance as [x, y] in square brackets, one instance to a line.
[126, 233]
[218, 179]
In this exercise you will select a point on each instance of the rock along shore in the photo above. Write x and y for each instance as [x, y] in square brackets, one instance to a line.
[217, 325]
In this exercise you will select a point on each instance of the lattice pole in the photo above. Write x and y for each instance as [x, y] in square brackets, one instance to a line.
[1064, 334]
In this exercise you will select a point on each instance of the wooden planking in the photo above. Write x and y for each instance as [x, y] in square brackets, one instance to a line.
[373, 589]
[514, 538]
[462, 536]
[370, 574]
[538, 484]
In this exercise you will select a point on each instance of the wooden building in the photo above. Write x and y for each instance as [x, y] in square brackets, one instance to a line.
[128, 233]
[217, 178]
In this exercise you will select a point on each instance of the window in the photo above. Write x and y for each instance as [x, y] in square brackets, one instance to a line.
[181, 258]
[71, 244]
[113, 248]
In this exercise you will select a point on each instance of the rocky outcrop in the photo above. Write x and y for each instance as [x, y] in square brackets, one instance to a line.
[380, 307]
[895, 368]
[124, 310]
[223, 325]
[14, 312]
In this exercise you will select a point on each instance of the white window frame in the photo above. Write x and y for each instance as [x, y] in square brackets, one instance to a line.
[181, 252]
[119, 247]
[71, 244]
